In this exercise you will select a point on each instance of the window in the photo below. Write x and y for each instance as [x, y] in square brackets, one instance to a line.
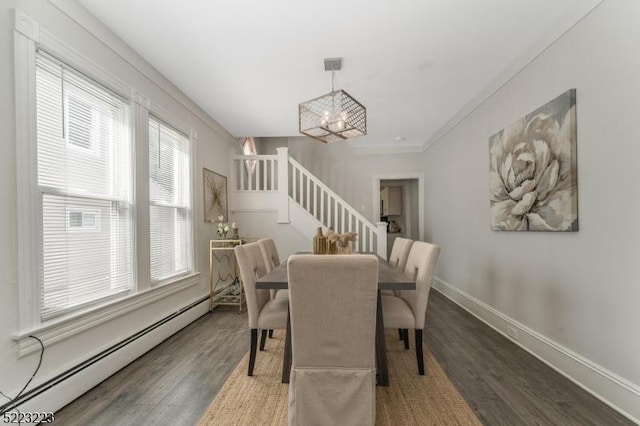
[83, 220]
[104, 203]
[169, 198]
[84, 180]
[248, 146]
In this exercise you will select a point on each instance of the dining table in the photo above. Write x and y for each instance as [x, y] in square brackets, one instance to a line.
[389, 278]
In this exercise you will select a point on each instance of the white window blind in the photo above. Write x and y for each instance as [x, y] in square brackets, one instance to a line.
[170, 201]
[85, 186]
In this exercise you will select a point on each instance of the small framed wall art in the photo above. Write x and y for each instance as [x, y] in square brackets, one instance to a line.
[215, 196]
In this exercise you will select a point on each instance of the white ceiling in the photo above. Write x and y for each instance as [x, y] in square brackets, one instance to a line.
[413, 63]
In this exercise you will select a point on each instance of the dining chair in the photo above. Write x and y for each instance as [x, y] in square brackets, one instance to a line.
[333, 325]
[264, 313]
[409, 308]
[398, 258]
[400, 252]
[271, 260]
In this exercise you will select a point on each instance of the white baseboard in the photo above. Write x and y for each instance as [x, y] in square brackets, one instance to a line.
[66, 391]
[615, 391]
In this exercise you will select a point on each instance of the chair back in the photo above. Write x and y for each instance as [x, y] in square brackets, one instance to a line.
[269, 253]
[420, 266]
[252, 267]
[400, 252]
[332, 303]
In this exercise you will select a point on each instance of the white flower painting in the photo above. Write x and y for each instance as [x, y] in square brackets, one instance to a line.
[533, 170]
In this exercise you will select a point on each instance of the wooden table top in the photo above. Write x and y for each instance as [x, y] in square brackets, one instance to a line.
[389, 278]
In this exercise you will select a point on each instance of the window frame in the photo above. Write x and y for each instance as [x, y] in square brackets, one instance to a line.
[28, 37]
[163, 117]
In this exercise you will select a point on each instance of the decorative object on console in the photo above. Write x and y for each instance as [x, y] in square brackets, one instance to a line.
[223, 228]
[215, 195]
[319, 242]
[335, 116]
[533, 173]
[234, 228]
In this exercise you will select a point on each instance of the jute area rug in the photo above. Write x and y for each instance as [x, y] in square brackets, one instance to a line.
[410, 400]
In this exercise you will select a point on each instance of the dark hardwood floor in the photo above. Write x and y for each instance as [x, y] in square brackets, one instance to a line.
[174, 383]
[503, 383]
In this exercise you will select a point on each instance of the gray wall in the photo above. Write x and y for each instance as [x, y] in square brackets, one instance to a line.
[578, 289]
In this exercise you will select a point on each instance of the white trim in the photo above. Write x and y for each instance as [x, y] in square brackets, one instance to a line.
[610, 388]
[60, 395]
[27, 199]
[142, 244]
[166, 118]
[57, 330]
[253, 211]
[282, 163]
[26, 26]
[557, 31]
[165, 115]
[69, 56]
[375, 182]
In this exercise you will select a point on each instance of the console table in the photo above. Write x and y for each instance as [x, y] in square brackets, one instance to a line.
[224, 283]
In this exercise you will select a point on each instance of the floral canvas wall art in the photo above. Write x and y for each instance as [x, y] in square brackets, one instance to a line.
[533, 170]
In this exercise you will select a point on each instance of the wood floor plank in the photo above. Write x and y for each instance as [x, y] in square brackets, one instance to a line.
[501, 381]
[175, 382]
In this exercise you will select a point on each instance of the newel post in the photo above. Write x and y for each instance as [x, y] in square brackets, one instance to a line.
[283, 184]
[382, 239]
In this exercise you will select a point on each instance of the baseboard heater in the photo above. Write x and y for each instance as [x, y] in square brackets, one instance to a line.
[90, 361]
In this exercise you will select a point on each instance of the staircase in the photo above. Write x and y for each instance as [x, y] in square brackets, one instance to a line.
[278, 182]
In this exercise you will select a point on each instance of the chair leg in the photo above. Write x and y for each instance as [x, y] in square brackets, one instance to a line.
[263, 339]
[270, 334]
[400, 333]
[252, 352]
[419, 355]
[405, 334]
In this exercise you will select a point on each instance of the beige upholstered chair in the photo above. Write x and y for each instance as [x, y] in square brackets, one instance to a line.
[400, 252]
[271, 260]
[398, 258]
[333, 324]
[269, 253]
[409, 308]
[264, 313]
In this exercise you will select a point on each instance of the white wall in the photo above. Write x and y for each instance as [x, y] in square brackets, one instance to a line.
[579, 290]
[211, 150]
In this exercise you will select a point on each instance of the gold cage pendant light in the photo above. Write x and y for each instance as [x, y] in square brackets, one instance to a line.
[333, 117]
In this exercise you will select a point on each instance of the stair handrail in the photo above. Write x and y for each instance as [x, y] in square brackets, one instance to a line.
[330, 192]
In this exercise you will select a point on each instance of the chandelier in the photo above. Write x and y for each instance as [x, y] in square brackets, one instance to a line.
[335, 116]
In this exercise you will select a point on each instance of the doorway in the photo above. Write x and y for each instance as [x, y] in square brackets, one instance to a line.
[403, 193]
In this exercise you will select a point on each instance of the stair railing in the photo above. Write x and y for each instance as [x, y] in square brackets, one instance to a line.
[260, 173]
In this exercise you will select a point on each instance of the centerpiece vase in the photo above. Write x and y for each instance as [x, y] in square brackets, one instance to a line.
[319, 242]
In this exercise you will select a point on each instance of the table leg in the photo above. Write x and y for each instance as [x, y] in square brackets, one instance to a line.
[286, 359]
[381, 346]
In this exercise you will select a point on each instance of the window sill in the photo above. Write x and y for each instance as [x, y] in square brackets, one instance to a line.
[60, 329]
